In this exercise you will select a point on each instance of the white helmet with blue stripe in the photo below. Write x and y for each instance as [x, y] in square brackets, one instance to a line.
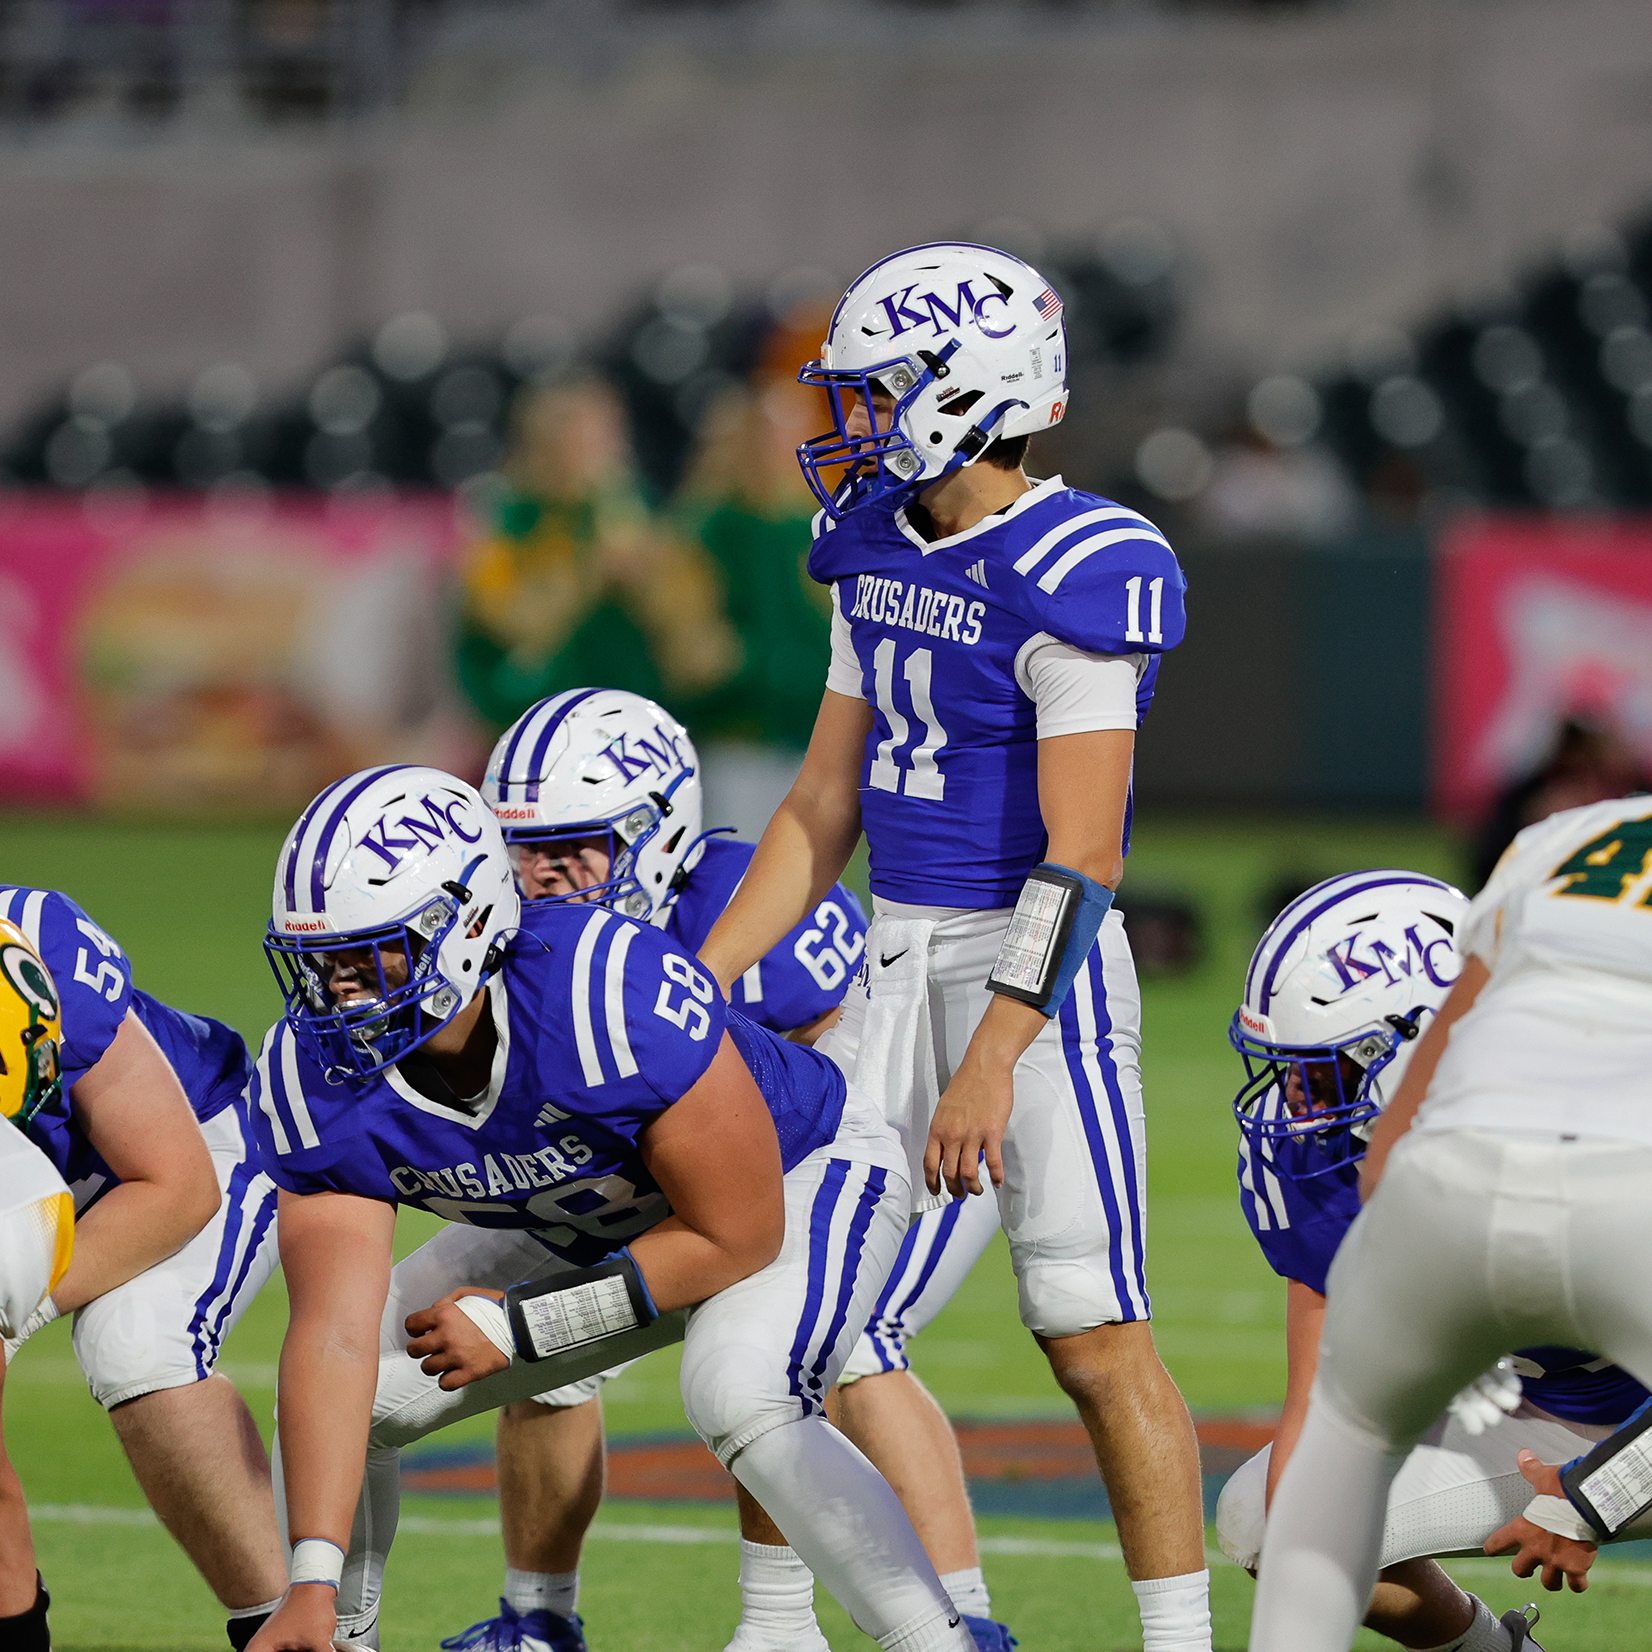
[1339, 988]
[603, 763]
[968, 342]
[405, 867]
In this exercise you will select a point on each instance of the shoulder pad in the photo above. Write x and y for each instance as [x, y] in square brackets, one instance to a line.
[1099, 576]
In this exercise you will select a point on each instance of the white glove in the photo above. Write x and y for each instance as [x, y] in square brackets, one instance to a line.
[1493, 1395]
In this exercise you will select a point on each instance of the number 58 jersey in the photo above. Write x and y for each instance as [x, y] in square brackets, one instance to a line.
[601, 1024]
[942, 635]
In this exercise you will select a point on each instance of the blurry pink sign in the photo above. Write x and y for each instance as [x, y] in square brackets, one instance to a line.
[1537, 620]
[184, 655]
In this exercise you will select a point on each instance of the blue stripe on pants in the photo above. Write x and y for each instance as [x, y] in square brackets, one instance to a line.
[820, 1233]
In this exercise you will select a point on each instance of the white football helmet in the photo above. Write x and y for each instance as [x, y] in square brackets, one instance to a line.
[968, 340]
[604, 763]
[1339, 988]
[400, 859]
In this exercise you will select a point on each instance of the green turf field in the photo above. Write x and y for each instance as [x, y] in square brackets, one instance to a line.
[189, 904]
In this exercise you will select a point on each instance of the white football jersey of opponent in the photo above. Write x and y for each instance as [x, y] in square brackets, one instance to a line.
[37, 1228]
[1560, 1038]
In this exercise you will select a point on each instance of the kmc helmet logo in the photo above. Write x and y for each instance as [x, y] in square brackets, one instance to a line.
[1381, 959]
[965, 306]
[440, 819]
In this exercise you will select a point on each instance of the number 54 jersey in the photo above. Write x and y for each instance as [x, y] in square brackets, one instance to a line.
[942, 633]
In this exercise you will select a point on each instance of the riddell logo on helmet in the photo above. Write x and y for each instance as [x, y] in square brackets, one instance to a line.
[506, 812]
[297, 926]
[1260, 1025]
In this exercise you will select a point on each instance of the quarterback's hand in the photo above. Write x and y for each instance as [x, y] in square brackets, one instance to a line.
[448, 1343]
[303, 1622]
[1562, 1558]
[969, 1123]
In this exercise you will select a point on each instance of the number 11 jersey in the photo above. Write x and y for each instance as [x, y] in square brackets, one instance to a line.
[949, 781]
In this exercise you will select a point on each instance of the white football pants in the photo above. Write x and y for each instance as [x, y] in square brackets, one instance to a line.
[1074, 1200]
[758, 1360]
[1474, 1244]
[164, 1327]
[1453, 1492]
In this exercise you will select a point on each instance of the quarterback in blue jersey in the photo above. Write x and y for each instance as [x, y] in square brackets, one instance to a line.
[1340, 988]
[995, 643]
[598, 794]
[623, 1161]
[174, 1236]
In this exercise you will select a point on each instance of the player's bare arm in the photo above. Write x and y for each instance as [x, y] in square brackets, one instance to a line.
[1304, 1318]
[716, 1158]
[1083, 786]
[134, 1112]
[805, 847]
[1398, 1115]
[336, 1252]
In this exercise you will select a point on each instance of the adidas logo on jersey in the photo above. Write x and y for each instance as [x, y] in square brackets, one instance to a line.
[979, 574]
[549, 1115]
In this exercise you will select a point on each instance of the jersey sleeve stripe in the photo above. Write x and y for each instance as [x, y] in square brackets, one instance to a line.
[33, 906]
[1030, 559]
[1051, 580]
[294, 1088]
[751, 984]
[613, 993]
[584, 1037]
[266, 1102]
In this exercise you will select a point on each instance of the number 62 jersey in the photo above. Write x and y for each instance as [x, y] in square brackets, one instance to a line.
[943, 634]
[601, 1024]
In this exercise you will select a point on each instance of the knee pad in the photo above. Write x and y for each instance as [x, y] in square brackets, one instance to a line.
[735, 1392]
[1064, 1296]
[1242, 1511]
[135, 1341]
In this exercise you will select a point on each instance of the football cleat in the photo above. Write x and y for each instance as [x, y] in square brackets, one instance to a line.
[989, 1635]
[514, 1631]
[1520, 1626]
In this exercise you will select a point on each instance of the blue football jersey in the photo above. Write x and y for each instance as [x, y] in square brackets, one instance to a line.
[1299, 1212]
[94, 983]
[949, 783]
[602, 1024]
[797, 981]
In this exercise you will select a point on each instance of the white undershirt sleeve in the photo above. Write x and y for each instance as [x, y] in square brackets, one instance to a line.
[843, 674]
[1077, 692]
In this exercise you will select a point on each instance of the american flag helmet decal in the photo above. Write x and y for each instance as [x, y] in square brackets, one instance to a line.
[1048, 304]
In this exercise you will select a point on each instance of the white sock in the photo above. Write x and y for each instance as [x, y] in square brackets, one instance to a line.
[931, 1631]
[1175, 1613]
[969, 1591]
[777, 1599]
[1485, 1634]
[556, 1592]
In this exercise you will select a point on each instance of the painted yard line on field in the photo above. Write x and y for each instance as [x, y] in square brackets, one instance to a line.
[418, 1525]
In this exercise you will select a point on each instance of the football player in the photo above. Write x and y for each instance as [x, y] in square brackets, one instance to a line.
[174, 1236]
[1339, 988]
[995, 643]
[1514, 1212]
[635, 1162]
[598, 794]
[37, 1239]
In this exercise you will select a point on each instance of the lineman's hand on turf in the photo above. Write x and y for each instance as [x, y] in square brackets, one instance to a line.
[969, 1122]
[303, 1622]
[448, 1343]
[1561, 1558]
